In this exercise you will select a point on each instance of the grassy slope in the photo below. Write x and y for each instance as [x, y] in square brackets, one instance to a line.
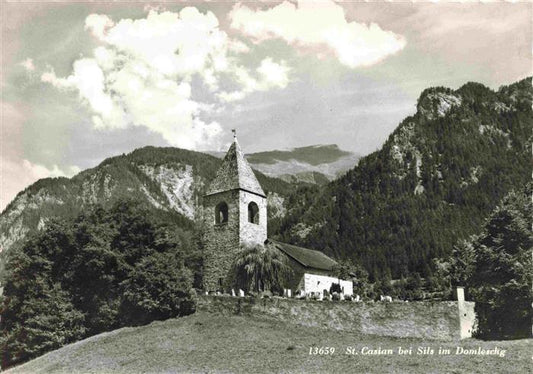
[208, 343]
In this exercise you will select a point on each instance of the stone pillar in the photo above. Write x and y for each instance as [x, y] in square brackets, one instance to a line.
[460, 293]
[467, 315]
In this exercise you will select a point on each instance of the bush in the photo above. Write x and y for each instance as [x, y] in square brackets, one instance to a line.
[335, 287]
[158, 288]
[259, 269]
[47, 321]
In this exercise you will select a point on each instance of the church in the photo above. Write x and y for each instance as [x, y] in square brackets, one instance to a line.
[235, 214]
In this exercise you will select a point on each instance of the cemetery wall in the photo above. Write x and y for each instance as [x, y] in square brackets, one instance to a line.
[442, 320]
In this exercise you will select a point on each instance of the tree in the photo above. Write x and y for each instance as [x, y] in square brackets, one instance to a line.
[261, 268]
[384, 285]
[503, 272]
[462, 262]
[413, 286]
[347, 269]
[157, 289]
[37, 314]
[108, 268]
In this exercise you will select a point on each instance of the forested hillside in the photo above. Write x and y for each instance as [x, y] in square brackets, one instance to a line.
[435, 180]
[169, 181]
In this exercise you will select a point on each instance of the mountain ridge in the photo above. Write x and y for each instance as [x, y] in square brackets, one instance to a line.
[432, 161]
[175, 182]
[437, 176]
[170, 180]
[315, 164]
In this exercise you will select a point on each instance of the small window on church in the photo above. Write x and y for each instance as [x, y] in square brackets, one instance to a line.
[221, 213]
[253, 213]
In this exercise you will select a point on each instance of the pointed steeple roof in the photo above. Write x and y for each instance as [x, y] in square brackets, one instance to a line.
[235, 173]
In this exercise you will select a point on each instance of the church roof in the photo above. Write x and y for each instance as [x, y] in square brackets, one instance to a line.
[307, 257]
[235, 173]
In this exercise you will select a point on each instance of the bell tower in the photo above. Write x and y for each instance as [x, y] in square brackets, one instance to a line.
[235, 214]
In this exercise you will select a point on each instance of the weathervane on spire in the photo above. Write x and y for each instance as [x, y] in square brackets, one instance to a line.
[234, 133]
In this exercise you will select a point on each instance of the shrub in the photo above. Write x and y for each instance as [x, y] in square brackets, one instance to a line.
[259, 269]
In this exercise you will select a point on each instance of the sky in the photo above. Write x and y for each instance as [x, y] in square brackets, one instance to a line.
[83, 81]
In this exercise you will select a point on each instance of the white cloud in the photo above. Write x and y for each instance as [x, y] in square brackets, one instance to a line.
[231, 96]
[273, 74]
[36, 171]
[28, 64]
[19, 174]
[142, 74]
[238, 47]
[88, 78]
[98, 24]
[270, 75]
[318, 26]
[179, 44]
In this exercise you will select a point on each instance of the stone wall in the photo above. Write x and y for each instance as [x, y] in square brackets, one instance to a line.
[298, 271]
[429, 320]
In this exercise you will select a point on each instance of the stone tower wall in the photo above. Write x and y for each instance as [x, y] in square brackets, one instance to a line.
[221, 241]
[250, 233]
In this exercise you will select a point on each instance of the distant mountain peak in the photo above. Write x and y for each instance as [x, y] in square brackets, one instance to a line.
[436, 103]
[309, 164]
[313, 154]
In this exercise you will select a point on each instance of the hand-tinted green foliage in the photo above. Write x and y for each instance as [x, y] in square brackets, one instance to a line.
[345, 269]
[432, 184]
[37, 314]
[107, 268]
